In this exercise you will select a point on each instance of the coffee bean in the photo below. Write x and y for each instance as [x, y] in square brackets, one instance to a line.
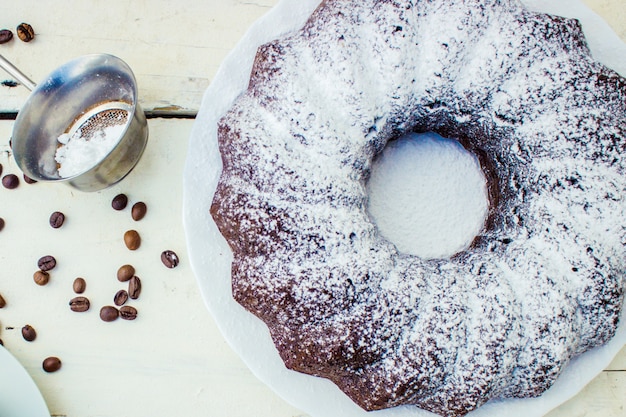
[41, 277]
[79, 304]
[128, 313]
[28, 180]
[134, 287]
[51, 364]
[132, 240]
[25, 32]
[28, 333]
[169, 259]
[57, 219]
[138, 211]
[79, 285]
[109, 313]
[1, 224]
[1, 342]
[120, 297]
[46, 263]
[10, 181]
[119, 202]
[125, 272]
[5, 36]
[2, 302]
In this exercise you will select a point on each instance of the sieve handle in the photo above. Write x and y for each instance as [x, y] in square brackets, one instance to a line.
[17, 74]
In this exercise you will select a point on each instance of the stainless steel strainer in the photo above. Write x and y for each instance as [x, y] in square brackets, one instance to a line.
[81, 99]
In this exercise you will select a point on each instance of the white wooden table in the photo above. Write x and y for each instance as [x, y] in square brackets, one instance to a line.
[172, 360]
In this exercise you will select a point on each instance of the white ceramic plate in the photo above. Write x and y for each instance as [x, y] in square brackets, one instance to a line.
[19, 396]
[211, 257]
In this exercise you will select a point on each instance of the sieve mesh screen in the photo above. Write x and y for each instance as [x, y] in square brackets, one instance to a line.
[97, 122]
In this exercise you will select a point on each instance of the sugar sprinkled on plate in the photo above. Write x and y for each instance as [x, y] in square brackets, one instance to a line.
[428, 195]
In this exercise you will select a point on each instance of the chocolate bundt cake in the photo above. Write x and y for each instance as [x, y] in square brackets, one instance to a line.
[543, 281]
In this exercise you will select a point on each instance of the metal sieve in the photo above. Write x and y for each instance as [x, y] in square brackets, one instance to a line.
[83, 97]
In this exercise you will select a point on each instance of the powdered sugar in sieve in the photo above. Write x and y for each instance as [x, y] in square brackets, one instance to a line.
[91, 137]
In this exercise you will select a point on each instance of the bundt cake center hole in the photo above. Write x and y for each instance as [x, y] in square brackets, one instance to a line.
[428, 195]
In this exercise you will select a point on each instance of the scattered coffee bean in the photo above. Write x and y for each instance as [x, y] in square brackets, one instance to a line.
[41, 277]
[28, 333]
[109, 313]
[51, 364]
[10, 181]
[46, 263]
[2, 302]
[139, 211]
[134, 287]
[119, 202]
[0, 169]
[128, 313]
[79, 304]
[1, 224]
[5, 36]
[28, 180]
[120, 297]
[79, 285]
[132, 239]
[25, 32]
[57, 219]
[169, 259]
[125, 272]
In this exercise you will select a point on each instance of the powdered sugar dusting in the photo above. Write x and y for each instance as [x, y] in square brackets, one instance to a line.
[499, 320]
[77, 154]
[428, 196]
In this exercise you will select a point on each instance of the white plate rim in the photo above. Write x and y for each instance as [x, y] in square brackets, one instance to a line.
[18, 390]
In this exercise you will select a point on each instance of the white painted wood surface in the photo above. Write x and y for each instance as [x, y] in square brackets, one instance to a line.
[173, 48]
[172, 360]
